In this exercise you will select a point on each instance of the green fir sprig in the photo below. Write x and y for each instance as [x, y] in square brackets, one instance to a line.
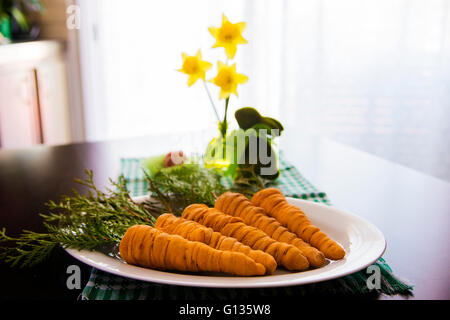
[79, 222]
[173, 189]
[99, 219]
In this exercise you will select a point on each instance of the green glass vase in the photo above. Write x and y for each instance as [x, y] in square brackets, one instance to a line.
[216, 155]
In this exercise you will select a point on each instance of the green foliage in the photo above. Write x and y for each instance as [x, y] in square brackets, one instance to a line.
[78, 221]
[176, 187]
[246, 172]
[250, 118]
[100, 218]
[30, 248]
[18, 9]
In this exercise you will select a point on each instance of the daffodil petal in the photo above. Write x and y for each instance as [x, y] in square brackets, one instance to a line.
[193, 79]
[223, 94]
[241, 40]
[217, 44]
[230, 50]
[241, 78]
[205, 65]
[220, 65]
[224, 18]
[241, 26]
[213, 31]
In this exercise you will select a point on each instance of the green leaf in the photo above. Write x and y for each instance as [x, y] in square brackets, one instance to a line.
[20, 18]
[249, 117]
[273, 124]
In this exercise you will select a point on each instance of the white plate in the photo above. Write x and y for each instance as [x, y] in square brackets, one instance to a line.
[362, 241]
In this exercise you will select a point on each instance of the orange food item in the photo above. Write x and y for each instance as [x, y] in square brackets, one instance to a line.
[274, 203]
[194, 231]
[238, 205]
[148, 247]
[285, 255]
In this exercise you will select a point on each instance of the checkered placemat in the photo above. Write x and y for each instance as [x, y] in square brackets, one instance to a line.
[104, 286]
[290, 181]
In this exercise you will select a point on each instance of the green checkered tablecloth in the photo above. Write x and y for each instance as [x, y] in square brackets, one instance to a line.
[104, 286]
[290, 182]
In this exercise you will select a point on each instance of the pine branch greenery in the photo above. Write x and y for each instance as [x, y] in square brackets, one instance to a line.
[247, 181]
[78, 221]
[30, 249]
[99, 219]
[176, 187]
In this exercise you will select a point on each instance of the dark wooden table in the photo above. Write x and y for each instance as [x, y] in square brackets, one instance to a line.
[412, 209]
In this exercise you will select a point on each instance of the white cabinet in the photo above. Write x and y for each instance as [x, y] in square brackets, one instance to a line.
[34, 106]
[53, 98]
[19, 111]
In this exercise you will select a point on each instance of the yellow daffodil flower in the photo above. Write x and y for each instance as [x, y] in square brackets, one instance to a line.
[228, 79]
[194, 67]
[229, 35]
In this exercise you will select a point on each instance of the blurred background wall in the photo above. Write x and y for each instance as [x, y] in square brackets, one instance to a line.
[372, 74]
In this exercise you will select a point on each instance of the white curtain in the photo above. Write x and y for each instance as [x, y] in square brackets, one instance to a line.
[372, 74]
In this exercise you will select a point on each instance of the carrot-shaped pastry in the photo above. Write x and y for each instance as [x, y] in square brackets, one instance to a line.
[148, 247]
[195, 231]
[285, 255]
[292, 217]
[238, 205]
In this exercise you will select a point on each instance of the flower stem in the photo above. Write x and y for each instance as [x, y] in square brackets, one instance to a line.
[224, 125]
[211, 100]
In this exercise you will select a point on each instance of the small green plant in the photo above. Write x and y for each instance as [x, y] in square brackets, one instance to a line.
[19, 10]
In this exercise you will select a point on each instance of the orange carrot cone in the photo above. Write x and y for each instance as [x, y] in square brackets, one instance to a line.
[148, 247]
[293, 218]
[286, 255]
[238, 205]
[194, 231]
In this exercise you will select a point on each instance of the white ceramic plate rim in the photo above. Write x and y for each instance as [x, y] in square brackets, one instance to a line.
[361, 251]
